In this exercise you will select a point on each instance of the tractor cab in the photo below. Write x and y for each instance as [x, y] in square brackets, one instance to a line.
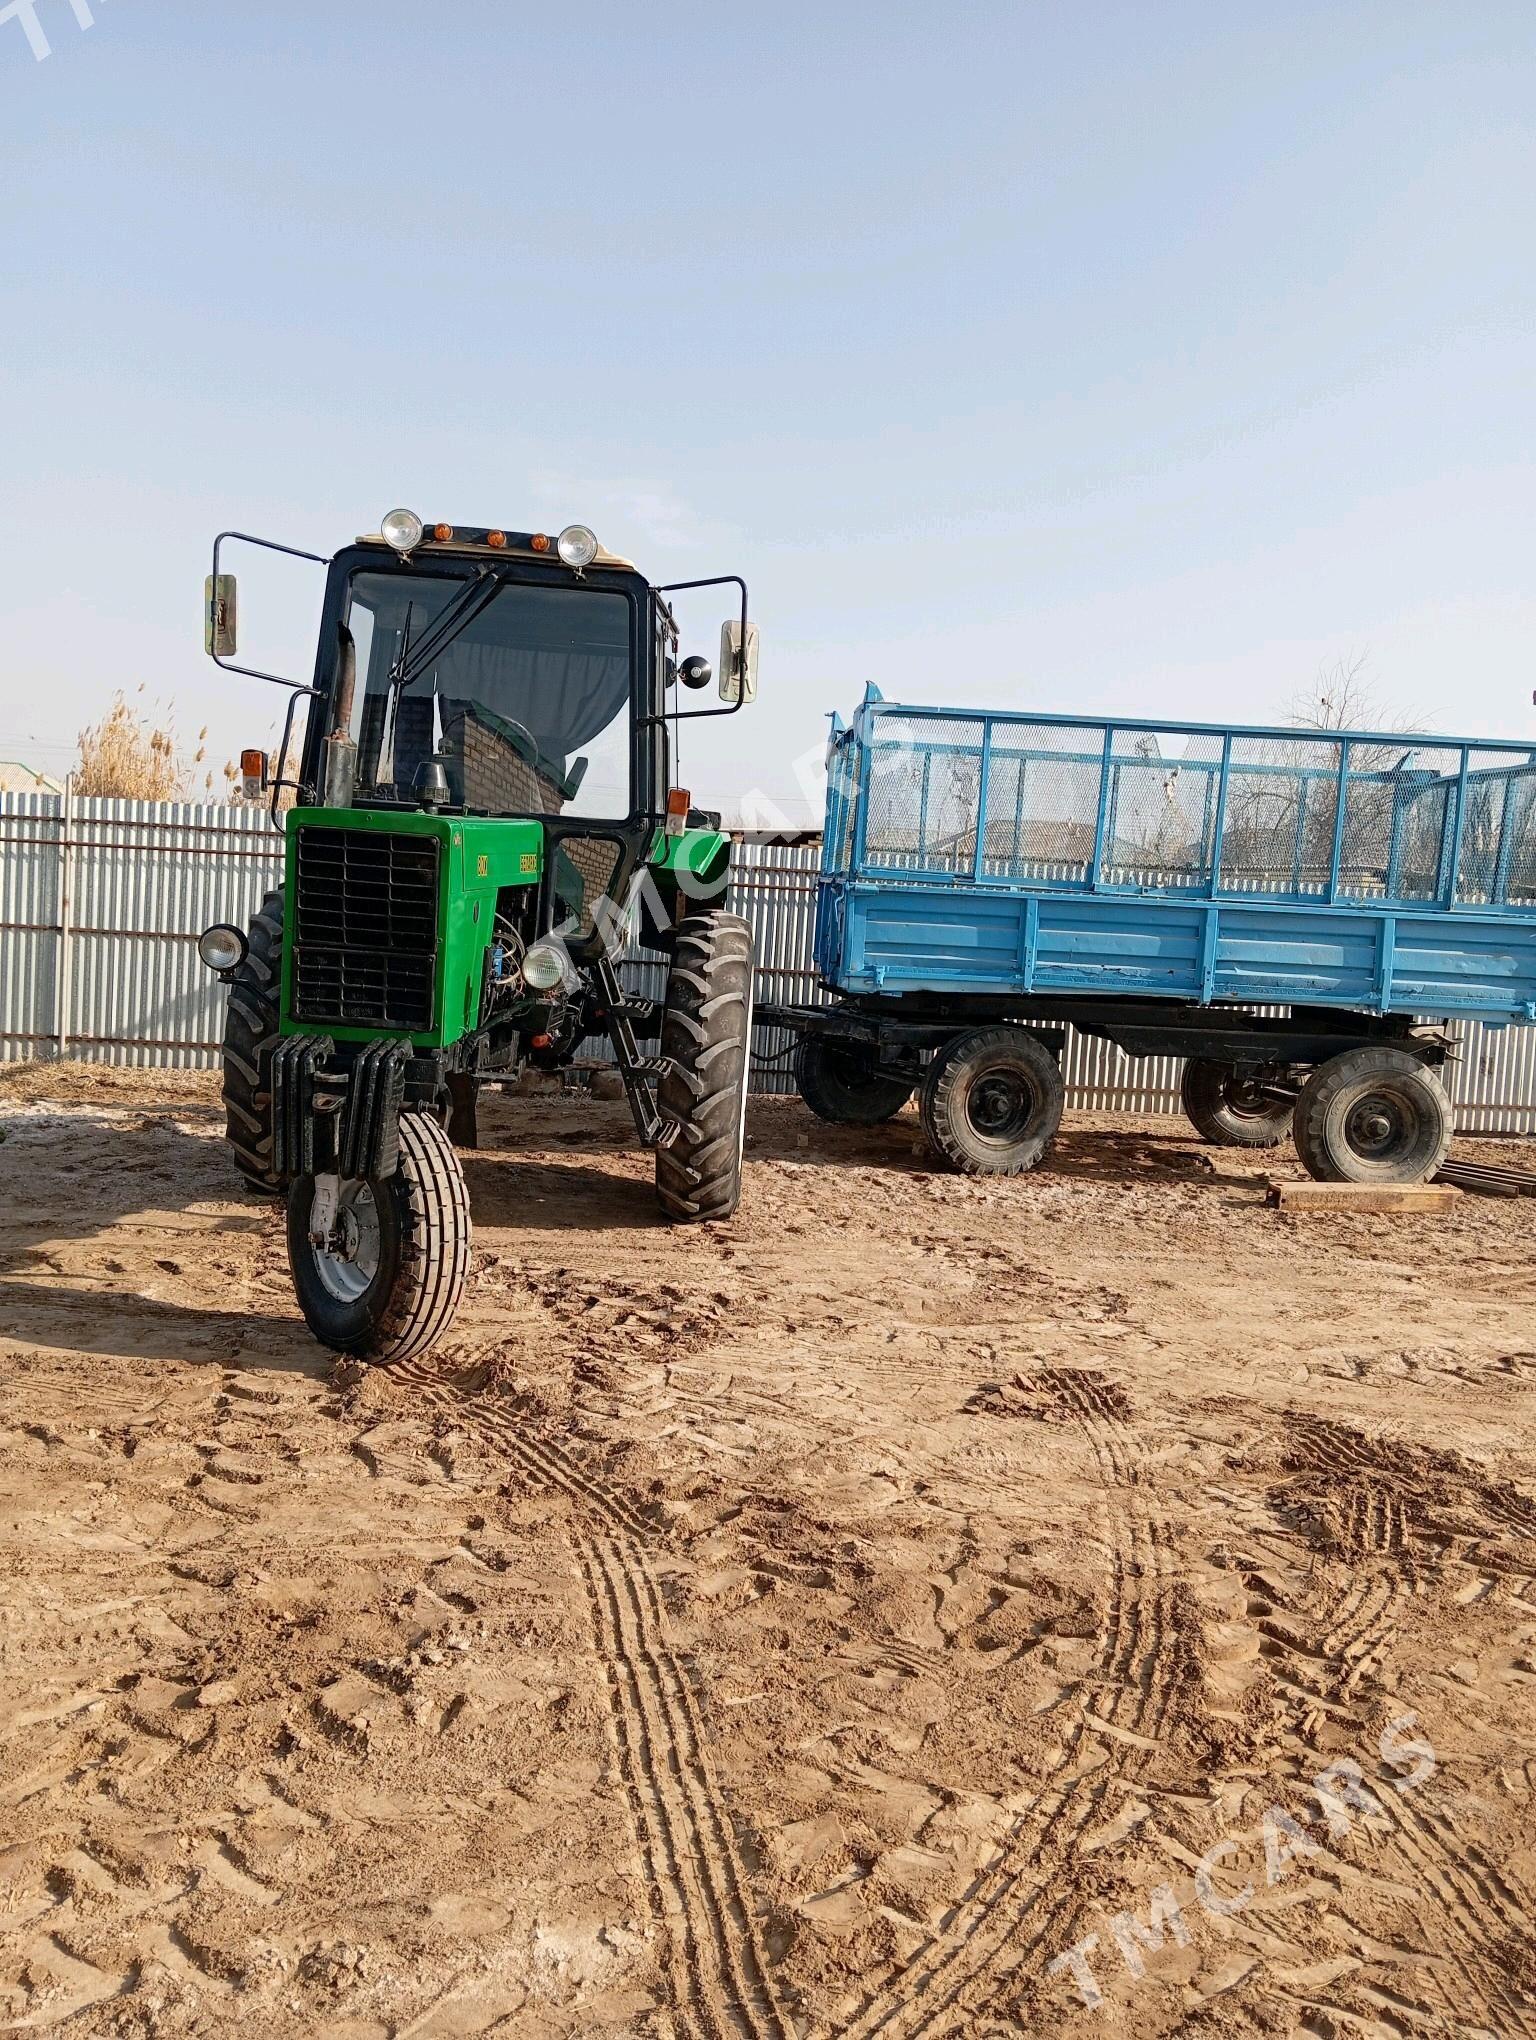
[495, 673]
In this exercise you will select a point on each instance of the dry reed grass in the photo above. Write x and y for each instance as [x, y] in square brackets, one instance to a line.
[132, 754]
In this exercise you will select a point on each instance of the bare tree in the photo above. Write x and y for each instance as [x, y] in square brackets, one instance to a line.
[1344, 695]
[1395, 796]
[1340, 697]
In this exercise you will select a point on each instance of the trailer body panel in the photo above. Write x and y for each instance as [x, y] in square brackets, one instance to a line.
[872, 936]
[993, 853]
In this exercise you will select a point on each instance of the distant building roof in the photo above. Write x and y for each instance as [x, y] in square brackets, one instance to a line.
[18, 778]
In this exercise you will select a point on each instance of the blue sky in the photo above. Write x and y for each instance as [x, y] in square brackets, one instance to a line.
[1134, 359]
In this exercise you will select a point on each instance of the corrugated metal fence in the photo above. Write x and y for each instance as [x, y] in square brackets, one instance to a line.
[101, 902]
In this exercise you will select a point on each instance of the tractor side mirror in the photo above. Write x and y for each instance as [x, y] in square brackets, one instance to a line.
[696, 672]
[220, 612]
[738, 662]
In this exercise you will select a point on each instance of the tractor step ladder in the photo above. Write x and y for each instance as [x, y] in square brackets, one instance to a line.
[639, 1071]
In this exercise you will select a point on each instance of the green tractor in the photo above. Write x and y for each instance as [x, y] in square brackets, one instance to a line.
[484, 812]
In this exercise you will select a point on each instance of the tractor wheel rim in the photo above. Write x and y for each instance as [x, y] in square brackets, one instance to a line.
[350, 1271]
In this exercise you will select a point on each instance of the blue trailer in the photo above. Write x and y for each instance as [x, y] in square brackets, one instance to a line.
[989, 877]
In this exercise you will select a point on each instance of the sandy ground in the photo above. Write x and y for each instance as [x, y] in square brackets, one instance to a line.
[814, 1627]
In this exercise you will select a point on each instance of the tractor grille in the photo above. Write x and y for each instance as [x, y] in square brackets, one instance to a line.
[365, 928]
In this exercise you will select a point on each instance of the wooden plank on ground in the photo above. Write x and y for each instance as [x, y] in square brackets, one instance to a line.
[1309, 1196]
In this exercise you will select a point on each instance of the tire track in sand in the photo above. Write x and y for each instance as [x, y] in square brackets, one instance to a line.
[719, 1973]
[1364, 1498]
[1018, 1909]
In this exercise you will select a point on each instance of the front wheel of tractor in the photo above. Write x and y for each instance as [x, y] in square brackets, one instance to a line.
[384, 1278]
[706, 1040]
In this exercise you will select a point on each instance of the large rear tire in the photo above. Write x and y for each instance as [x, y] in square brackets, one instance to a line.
[1373, 1115]
[250, 1035]
[391, 1281]
[843, 1084]
[706, 1038]
[1228, 1107]
[992, 1102]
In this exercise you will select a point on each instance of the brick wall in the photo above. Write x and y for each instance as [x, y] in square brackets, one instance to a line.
[594, 858]
[494, 774]
[493, 771]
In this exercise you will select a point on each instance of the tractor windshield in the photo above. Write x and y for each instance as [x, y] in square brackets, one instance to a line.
[527, 702]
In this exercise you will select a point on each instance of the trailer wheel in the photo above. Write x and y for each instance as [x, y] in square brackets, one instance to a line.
[1373, 1115]
[1228, 1106]
[250, 1035]
[706, 1040]
[388, 1281]
[843, 1084]
[992, 1102]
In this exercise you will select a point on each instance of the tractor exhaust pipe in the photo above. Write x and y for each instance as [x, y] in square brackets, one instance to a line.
[339, 773]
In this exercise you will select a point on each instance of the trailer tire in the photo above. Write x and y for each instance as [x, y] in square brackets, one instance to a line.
[992, 1101]
[843, 1084]
[1373, 1115]
[1224, 1106]
[706, 1040]
[395, 1299]
[251, 1016]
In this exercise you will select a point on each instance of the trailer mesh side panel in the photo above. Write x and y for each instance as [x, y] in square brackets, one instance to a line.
[365, 928]
[1310, 816]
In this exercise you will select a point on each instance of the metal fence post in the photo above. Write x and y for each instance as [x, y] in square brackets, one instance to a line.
[1340, 812]
[1101, 819]
[1219, 830]
[1499, 891]
[61, 978]
[863, 774]
[982, 795]
[1458, 829]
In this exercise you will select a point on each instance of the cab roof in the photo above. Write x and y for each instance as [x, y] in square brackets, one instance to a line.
[475, 543]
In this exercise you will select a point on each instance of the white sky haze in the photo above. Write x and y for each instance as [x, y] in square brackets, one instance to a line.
[1126, 358]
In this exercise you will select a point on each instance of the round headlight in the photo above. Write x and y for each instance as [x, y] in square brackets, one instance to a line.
[221, 947]
[577, 546]
[403, 530]
[545, 966]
